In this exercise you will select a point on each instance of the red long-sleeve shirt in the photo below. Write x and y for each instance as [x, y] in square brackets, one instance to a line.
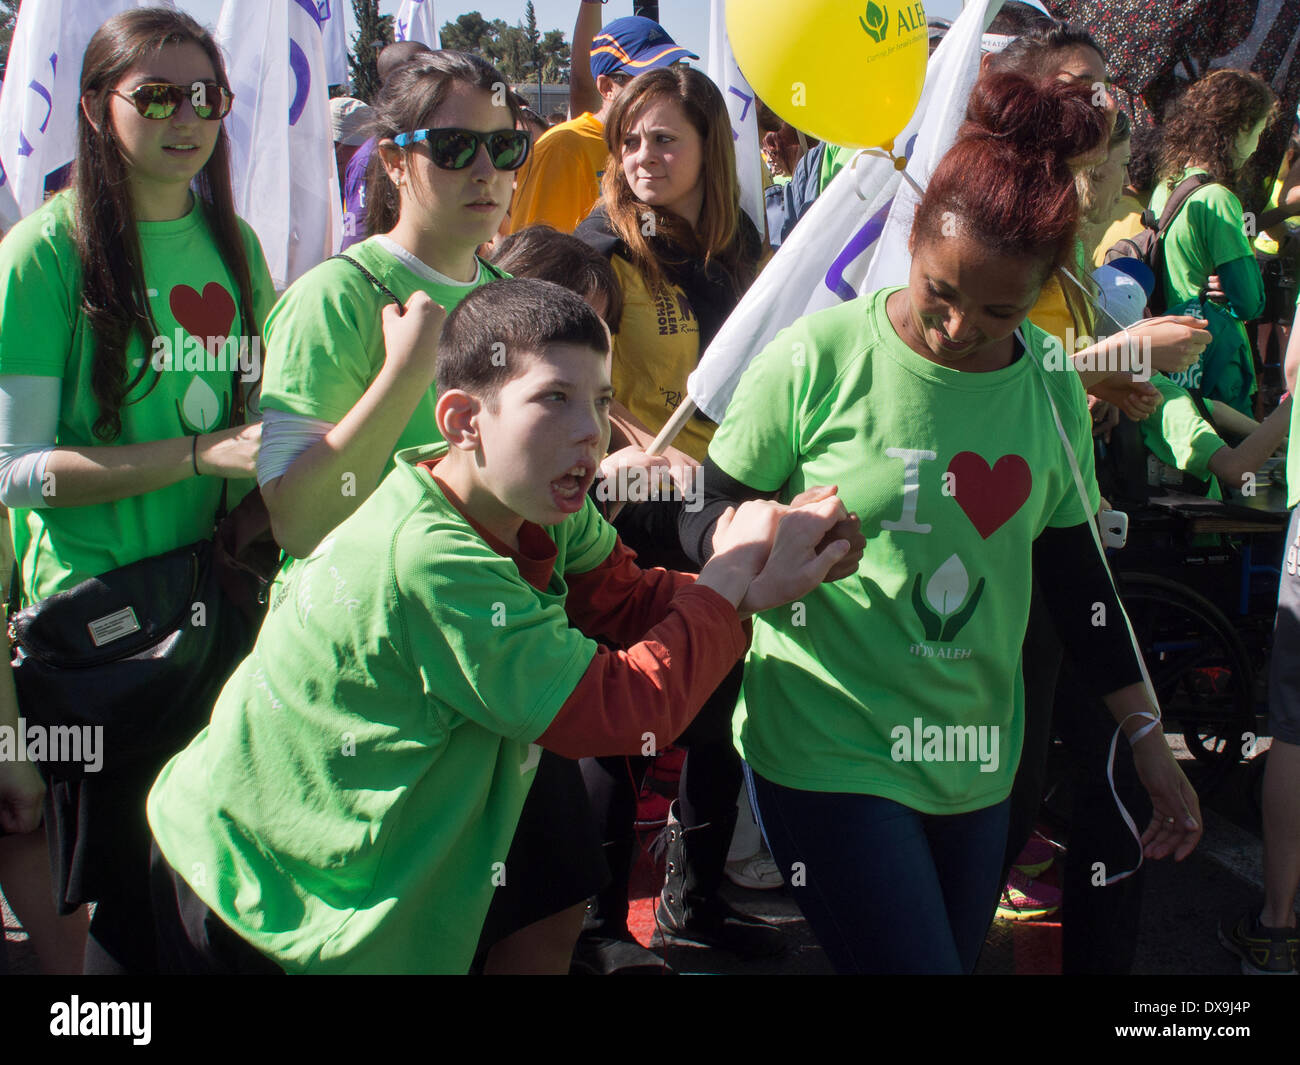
[681, 641]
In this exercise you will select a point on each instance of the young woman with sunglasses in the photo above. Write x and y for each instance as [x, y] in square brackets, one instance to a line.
[439, 185]
[105, 459]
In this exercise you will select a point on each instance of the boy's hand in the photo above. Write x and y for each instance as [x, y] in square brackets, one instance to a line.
[800, 557]
[411, 337]
[742, 540]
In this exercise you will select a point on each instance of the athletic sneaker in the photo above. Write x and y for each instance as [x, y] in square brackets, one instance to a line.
[757, 872]
[1024, 899]
[1036, 858]
[1263, 951]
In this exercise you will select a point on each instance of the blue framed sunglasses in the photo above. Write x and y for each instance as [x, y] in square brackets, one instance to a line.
[455, 149]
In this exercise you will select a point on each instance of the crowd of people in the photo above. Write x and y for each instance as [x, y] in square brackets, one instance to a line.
[863, 606]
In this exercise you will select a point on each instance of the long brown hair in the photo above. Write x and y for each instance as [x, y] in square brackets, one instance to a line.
[409, 97]
[114, 298]
[716, 235]
[1206, 121]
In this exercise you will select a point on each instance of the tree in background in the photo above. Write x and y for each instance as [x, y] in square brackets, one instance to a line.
[8, 16]
[372, 33]
[508, 48]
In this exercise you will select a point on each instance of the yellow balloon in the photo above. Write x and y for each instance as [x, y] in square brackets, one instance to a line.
[846, 71]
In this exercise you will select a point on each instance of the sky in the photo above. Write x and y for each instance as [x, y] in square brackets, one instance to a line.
[686, 20]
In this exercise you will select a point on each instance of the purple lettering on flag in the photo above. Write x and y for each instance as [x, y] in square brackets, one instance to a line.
[310, 7]
[302, 81]
[323, 10]
[44, 93]
[24, 145]
[748, 100]
[858, 243]
[401, 29]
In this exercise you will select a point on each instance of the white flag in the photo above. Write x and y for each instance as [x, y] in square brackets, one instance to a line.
[42, 86]
[282, 149]
[336, 40]
[417, 22]
[741, 105]
[854, 238]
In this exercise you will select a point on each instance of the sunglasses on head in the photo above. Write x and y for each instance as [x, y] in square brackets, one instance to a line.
[455, 149]
[160, 99]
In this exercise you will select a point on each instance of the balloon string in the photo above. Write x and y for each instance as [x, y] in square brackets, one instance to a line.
[900, 164]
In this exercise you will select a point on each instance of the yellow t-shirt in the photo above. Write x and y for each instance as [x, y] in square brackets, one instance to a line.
[560, 182]
[655, 349]
[1126, 223]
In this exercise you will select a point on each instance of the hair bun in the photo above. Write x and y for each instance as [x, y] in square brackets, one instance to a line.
[1050, 120]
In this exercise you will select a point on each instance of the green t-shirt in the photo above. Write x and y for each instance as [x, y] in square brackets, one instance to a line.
[1178, 436]
[350, 804]
[954, 475]
[325, 339]
[42, 332]
[834, 159]
[1209, 232]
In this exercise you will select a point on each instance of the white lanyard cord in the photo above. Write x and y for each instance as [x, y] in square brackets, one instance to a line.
[1146, 678]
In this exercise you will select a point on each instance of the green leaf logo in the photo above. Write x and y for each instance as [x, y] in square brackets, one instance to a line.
[876, 22]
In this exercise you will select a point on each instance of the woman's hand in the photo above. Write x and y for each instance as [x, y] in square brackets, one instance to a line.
[411, 338]
[1176, 824]
[1177, 340]
[1137, 399]
[229, 453]
[22, 791]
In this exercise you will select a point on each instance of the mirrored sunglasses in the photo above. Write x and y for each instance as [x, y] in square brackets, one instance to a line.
[160, 99]
[455, 149]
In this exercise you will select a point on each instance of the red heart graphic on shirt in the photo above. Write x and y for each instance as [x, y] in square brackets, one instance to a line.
[989, 497]
[207, 317]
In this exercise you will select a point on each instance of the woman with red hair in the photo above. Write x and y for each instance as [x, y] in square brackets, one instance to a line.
[881, 719]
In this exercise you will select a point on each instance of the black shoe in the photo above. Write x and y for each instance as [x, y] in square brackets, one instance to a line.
[597, 955]
[689, 907]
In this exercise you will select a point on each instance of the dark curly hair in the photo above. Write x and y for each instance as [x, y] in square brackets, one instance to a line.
[1204, 123]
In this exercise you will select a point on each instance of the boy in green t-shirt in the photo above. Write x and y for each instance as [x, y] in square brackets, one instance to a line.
[351, 804]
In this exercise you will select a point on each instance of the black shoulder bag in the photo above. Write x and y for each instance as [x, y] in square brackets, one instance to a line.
[143, 651]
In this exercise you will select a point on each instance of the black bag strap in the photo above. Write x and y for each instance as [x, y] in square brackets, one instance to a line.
[1182, 192]
[370, 277]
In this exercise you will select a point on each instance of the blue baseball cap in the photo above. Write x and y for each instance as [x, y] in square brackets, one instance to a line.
[634, 45]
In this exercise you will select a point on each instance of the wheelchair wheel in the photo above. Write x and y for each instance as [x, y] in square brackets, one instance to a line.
[1198, 665]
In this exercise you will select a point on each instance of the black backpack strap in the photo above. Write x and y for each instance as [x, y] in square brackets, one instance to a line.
[1182, 192]
[370, 277]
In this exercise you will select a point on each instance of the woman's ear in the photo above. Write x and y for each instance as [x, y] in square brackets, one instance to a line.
[394, 160]
[85, 103]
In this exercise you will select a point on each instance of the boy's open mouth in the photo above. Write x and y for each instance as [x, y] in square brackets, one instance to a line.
[569, 489]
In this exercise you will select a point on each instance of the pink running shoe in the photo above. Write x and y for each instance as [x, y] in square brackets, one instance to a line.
[1024, 899]
[1036, 858]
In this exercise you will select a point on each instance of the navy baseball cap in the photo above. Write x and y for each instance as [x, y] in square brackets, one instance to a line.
[633, 45]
